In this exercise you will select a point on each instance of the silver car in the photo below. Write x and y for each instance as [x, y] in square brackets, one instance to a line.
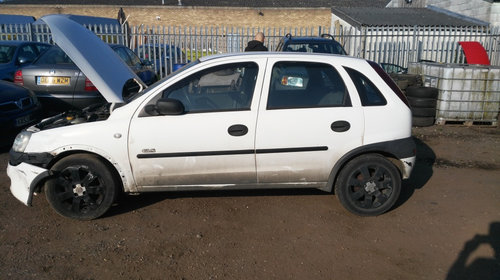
[60, 84]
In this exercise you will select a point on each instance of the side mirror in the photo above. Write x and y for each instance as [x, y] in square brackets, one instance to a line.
[165, 106]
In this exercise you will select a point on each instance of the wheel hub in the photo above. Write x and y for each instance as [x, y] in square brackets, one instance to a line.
[370, 187]
[79, 190]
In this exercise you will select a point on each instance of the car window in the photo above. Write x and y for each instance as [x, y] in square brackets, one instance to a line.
[6, 53]
[54, 56]
[41, 48]
[122, 53]
[368, 92]
[222, 88]
[306, 85]
[316, 47]
[135, 60]
[27, 53]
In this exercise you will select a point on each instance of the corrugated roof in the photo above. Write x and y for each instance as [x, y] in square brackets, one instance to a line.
[218, 3]
[362, 16]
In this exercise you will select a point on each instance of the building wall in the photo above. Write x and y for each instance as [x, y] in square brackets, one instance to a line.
[187, 16]
[478, 9]
[495, 14]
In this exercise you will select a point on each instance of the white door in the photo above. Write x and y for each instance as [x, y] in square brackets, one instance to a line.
[306, 123]
[213, 142]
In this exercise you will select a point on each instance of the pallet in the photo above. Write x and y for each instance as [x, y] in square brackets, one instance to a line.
[467, 123]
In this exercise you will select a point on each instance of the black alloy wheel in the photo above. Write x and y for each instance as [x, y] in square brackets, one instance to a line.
[368, 185]
[83, 188]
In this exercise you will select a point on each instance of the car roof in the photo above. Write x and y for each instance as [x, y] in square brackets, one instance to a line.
[291, 55]
[18, 43]
[309, 39]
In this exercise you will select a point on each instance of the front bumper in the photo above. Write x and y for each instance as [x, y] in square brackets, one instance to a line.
[23, 180]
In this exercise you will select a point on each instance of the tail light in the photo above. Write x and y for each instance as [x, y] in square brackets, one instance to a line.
[18, 78]
[89, 86]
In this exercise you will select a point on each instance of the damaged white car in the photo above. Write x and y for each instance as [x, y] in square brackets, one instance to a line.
[235, 121]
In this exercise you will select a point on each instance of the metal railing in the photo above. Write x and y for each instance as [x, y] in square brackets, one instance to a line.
[168, 46]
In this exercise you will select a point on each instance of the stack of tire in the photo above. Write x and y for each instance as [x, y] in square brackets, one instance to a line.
[423, 102]
[406, 80]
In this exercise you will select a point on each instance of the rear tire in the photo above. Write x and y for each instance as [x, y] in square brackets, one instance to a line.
[368, 185]
[83, 187]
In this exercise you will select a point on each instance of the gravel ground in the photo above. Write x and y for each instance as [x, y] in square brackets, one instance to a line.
[446, 225]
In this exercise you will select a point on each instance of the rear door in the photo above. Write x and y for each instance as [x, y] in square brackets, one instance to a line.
[306, 123]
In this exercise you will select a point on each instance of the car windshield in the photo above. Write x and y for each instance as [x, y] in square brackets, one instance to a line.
[54, 56]
[333, 47]
[6, 53]
[135, 95]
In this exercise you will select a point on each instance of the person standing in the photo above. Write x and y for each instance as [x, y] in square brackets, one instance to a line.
[257, 44]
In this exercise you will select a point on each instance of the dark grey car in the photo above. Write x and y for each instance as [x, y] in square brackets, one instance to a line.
[60, 85]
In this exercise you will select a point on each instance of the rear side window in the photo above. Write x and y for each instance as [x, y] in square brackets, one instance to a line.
[306, 85]
[369, 94]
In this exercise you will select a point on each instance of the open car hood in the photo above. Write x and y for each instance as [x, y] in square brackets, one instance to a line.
[104, 68]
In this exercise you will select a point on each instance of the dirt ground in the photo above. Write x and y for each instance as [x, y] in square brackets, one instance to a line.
[446, 225]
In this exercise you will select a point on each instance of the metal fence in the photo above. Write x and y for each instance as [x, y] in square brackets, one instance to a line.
[168, 46]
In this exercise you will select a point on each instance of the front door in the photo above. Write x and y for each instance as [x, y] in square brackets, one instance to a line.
[212, 144]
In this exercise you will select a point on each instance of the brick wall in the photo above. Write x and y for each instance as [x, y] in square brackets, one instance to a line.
[188, 16]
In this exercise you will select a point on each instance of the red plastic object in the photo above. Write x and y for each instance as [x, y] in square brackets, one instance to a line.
[475, 53]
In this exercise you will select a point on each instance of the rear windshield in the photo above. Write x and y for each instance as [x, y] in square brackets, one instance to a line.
[54, 56]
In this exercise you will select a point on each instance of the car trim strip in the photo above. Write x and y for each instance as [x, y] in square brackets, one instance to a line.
[234, 152]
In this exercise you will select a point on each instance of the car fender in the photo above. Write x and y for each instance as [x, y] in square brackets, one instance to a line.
[397, 149]
[123, 172]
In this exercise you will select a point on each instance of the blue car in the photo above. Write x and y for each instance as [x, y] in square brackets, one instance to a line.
[14, 54]
[164, 57]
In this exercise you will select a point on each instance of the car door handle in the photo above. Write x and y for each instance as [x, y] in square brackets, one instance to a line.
[237, 130]
[340, 126]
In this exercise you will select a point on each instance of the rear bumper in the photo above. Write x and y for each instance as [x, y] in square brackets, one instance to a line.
[408, 164]
[23, 180]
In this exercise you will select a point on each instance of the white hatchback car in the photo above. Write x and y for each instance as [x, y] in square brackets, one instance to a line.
[236, 121]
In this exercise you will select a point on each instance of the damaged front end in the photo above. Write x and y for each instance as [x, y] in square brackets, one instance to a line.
[28, 170]
[92, 113]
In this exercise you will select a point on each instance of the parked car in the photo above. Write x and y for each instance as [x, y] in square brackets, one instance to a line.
[14, 54]
[234, 121]
[391, 68]
[60, 85]
[19, 108]
[322, 44]
[165, 57]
